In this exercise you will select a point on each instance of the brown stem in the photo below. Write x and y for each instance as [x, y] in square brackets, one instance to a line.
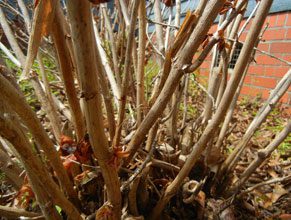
[11, 38]
[12, 170]
[141, 63]
[14, 213]
[127, 65]
[175, 75]
[79, 13]
[10, 129]
[59, 36]
[17, 102]
[225, 102]
[47, 106]
[262, 155]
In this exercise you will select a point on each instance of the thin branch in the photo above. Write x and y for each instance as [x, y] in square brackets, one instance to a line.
[163, 24]
[271, 181]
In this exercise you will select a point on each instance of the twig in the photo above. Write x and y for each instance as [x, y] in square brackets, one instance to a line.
[249, 18]
[139, 169]
[264, 52]
[82, 164]
[207, 93]
[163, 24]
[271, 181]
[153, 45]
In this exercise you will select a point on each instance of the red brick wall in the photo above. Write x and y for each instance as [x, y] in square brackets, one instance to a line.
[266, 72]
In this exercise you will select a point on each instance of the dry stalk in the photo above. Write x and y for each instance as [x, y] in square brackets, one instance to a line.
[225, 102]
[79, 13]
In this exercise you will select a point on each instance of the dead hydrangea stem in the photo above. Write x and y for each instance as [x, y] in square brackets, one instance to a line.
[275, 95]
[140, 101]
[159, 30]
[127, 66]
[175, 75]
[220, 113]
[106, 95]
[10, 129]
[47, 106]
[55, 119]
[109, 72]
[15, 213]
[173, 51]
[11, 38]
[269, 182]
[25, 13]
[215, 78]
[41, 23]
[216, 37]
[11, 170]
[178, 15]
[80, 18]
[249, 18]
[66, 68]
[124, 12]
[229, 114]
[185, 101]
[10, 55]
[17, 102]
[112, 42]
[230, 111]
[261, 156]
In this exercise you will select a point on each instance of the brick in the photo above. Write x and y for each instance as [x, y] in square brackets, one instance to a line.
[278, 71]
[204, 72]
[266, 60]
[205, 65]
[264, 46]
[285, 99]
[272, 20]
[243, 36]
[287, 57]
[248, 80]
[264, 82]
[252, 91]
[248, 25]
[266, 93]
[282, 47]
[256, 69]
[270, 71]
[281, 20]
[277, 34]
[203, 80]
[288, 23]
[288, 35]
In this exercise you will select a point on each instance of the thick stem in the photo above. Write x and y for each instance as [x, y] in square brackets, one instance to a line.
[17, 102]
[47, 106]
[113, 46]
[219, 115]
[59, 36]
[12, 170]
[159, 30]
[262, 155]
[141, 63]
[11, 38]
[10, 129]
[276, 94]
[176, 73]
[127, 65]
[79, 13]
